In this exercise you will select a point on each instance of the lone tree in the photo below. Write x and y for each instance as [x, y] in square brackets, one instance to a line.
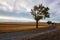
[39, 12]
[49, 22]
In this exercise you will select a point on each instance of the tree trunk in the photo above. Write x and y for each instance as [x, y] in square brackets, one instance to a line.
[36, 23]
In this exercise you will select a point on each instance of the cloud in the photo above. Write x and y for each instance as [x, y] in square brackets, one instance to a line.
[15, 19]
[14, 14]
[21, 8]
[5, 6]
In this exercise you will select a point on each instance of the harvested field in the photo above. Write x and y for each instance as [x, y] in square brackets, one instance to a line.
[7, 27]
[27, 31]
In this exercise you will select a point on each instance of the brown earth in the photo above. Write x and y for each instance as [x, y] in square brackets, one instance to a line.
[15, 26]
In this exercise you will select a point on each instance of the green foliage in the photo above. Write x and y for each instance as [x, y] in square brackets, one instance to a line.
[49, 22]
[40, 12]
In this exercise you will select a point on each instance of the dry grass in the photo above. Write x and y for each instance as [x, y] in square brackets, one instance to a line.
[12, 26]
[7, 27]
[16, 28]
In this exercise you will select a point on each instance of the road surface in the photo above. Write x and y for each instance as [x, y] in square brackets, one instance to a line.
[13, 35]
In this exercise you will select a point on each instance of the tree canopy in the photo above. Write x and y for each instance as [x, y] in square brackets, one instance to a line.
[40, 12]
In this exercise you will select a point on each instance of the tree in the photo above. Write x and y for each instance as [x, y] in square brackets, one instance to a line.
[39, 12]
[49, 22]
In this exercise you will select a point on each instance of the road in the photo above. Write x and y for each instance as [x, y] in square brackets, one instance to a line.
[13, 35]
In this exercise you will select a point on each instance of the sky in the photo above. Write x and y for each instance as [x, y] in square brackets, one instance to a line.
[19, 10]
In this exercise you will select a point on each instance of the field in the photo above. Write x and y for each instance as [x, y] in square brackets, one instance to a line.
[17, 31]
[13, 26]
[17, 26]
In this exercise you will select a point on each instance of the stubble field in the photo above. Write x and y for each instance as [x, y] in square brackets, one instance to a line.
[13, 26]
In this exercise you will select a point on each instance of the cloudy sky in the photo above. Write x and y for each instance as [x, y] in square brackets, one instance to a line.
[19, 10]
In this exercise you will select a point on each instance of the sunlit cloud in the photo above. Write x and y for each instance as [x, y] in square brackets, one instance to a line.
[22, 6]
[5, 6]
[14, 18]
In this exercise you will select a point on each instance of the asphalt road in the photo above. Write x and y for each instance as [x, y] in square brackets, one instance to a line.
[13, 35]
